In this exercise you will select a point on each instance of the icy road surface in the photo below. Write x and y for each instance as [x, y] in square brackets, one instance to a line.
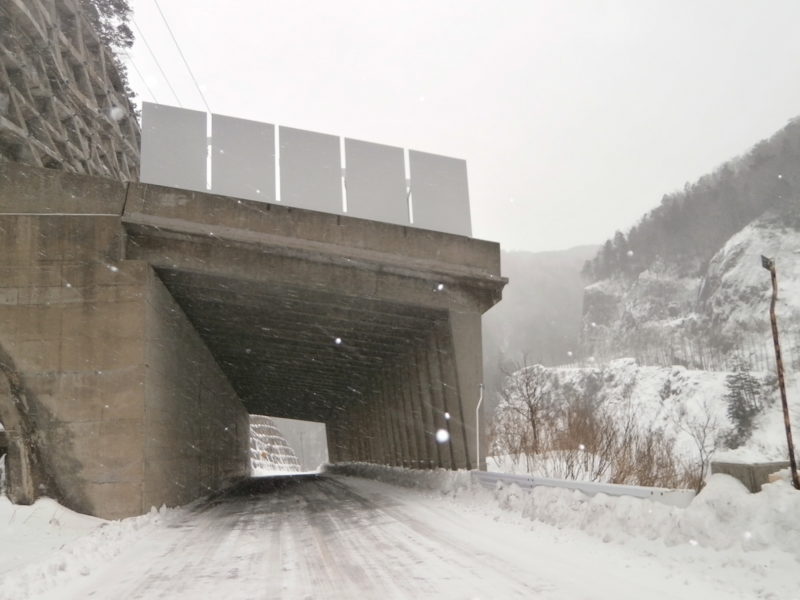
[324, 536]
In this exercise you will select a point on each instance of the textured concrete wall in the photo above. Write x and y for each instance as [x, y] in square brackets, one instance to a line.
[752, 475]
[130, 408]
[71, 318]
[196, 428]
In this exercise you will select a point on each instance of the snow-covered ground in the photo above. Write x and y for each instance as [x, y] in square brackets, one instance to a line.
[430, 535]
[673, 400]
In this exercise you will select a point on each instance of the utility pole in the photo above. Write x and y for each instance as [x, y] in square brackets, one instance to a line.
[769, 265]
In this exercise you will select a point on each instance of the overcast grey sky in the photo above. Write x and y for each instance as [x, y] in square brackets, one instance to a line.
[575, 117]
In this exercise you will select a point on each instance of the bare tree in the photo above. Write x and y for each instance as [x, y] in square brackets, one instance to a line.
[702, 428]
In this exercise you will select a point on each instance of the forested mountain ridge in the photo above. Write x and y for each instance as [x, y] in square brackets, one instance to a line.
[691, 225]
[685, 285]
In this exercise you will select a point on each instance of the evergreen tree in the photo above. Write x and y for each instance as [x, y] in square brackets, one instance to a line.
[744, 400]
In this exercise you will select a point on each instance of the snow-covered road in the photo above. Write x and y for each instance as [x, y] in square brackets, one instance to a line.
[326, 536]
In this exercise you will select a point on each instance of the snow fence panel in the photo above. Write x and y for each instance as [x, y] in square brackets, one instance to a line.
[242, 158]
[376, 182]
[174, 147]
[310, 170]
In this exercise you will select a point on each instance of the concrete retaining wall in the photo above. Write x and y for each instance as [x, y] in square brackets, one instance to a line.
[196, 428]
[752, 475]
[120, 389]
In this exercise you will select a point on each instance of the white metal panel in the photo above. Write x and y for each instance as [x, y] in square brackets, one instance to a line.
[242, 158]
[174, 147]
[439, 193]
[311, 170]
[375, 181]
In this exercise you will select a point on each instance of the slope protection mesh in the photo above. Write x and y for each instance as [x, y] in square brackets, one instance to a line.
[269, 450]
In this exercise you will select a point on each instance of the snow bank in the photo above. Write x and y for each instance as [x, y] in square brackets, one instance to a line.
[724, 515]
[59, 545]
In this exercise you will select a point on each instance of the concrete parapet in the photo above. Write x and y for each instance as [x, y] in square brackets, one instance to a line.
[752, 475]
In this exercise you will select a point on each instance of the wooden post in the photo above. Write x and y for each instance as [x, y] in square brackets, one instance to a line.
[769, 265]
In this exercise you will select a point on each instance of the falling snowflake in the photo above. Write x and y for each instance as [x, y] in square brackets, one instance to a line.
[447, 416]
[442, 436]
[630, 252]
[338, 341]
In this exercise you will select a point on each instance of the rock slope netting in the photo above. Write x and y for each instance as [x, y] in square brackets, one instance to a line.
[63, 97]
[269, 451]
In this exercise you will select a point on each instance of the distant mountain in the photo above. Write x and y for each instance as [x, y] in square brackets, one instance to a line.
[539, 318]
[685, 285]
[692, 225]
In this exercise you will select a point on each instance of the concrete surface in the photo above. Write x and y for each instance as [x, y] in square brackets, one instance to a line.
[752, 475]
[138, 321]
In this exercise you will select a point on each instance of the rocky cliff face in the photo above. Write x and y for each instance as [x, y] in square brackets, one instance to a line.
[662, 317]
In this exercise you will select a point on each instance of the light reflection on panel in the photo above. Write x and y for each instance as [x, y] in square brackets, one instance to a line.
[174, 147]
[242, 158]
[376, 182]
[440, 197]
[311, 171]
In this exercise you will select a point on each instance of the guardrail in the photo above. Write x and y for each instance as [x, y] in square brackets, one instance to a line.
[671, 497]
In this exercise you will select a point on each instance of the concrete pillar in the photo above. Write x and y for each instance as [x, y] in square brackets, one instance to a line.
[465, 332]
[422, 381]
[452, 400]
[374, 438]
[409, 417]
[382, 450]
[412, 395]
[396, 399]
[397, 446]
[439, 402]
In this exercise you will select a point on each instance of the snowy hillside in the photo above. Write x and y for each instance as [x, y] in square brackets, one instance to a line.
[735, 294]
[628, 423]
[663, 317]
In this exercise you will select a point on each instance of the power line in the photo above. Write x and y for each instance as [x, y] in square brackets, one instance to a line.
[185, 62]
[144, 81]
[158, 64]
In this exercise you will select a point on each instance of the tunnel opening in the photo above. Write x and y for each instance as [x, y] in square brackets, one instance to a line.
[306, 353]
[308, 440]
